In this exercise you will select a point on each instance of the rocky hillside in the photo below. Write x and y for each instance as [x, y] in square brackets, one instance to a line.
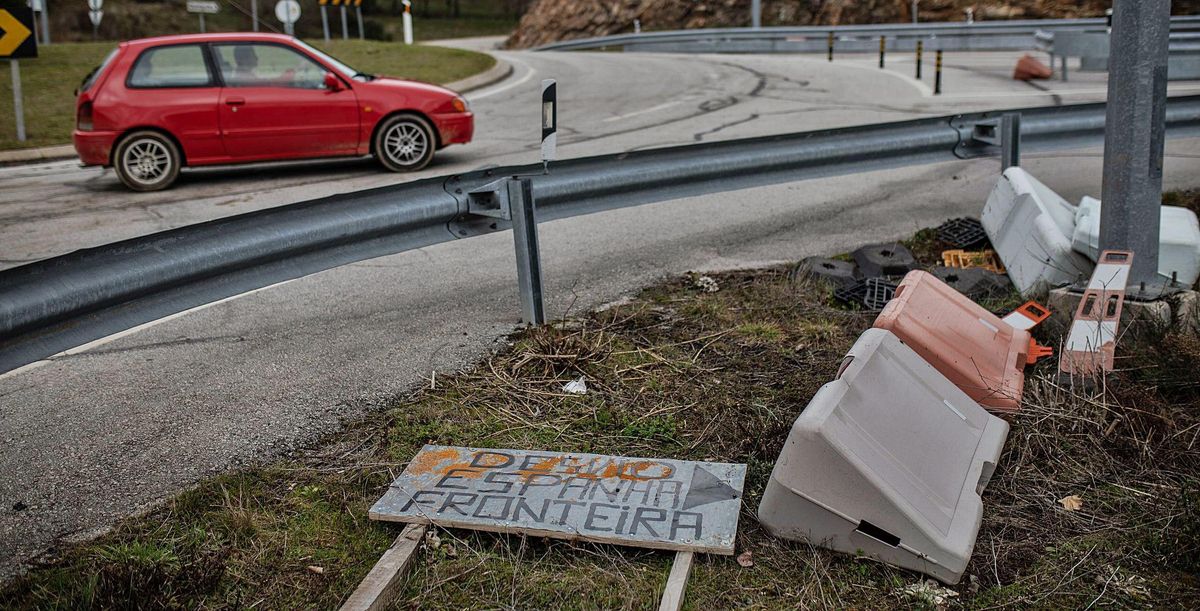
[551, 20]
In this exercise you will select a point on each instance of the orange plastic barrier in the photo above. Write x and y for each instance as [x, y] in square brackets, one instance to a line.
[981, 354]
[985, 259]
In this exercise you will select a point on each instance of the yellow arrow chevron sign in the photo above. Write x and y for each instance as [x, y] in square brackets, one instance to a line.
[16, 34]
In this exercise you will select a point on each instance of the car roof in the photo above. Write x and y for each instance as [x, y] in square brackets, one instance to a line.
[225, 37]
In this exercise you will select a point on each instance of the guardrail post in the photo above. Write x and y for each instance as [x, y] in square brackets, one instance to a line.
[937, 74]
[920, 48]
[1135, 123]
[1010, 141]
[529, 258]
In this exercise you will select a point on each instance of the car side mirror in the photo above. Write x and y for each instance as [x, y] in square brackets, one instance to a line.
[332, 82]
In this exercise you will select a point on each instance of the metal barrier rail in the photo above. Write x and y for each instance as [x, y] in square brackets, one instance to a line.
[950, 36]
[60, 303]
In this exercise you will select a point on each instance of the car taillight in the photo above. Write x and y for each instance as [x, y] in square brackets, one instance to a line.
[84, 122]
[459, 104]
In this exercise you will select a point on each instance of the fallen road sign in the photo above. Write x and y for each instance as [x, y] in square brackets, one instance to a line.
[16, 30]
[645, 502]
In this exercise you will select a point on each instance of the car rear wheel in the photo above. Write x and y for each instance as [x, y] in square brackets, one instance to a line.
[405, 143]
[147, 161]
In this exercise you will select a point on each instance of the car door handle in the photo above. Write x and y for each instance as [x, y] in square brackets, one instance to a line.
[235, 101]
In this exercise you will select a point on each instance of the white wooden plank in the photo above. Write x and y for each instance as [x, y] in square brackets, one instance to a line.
[381, 585]
[672, 599]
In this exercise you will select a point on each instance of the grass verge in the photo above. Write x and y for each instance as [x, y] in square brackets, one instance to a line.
[684, 372]
[49, 81]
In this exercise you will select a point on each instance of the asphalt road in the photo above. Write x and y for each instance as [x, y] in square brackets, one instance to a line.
[102, 432]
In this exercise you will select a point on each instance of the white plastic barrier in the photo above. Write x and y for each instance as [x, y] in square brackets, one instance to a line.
[1031, 227]
[1178, 239]
[888, 460]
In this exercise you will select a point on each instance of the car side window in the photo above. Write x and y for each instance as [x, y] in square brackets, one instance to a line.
[260, 65]
[173, 66]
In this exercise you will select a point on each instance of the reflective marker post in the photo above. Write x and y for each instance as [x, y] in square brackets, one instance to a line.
[1135, 125]
[358, 10]
[406, 19]
[345, 25]
[324, 19]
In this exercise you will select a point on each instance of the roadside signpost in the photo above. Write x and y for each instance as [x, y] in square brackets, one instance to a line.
[95, 13]
[202, 8]
[17, 42]
[288, 13]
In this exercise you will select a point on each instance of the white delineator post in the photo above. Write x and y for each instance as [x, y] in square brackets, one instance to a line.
[407, 20]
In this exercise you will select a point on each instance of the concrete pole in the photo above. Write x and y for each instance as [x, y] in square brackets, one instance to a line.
[345, 25]
[254, 14]
[1134, 126]
[324, 22]
[756, 14]
[201, 22]
[914, 11]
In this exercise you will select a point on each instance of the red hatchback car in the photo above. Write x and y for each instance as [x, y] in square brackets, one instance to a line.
[158, 104]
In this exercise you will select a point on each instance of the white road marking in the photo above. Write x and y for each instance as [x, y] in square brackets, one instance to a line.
[529, 72]
[644, 111]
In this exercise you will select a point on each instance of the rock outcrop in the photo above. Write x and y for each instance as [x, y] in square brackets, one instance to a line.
[552, 20]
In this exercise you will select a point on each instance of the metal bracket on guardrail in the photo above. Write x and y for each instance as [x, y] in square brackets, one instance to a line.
[499, 205]
[981, 137]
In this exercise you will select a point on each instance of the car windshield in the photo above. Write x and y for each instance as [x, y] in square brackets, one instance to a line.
[337, 65]
[91, 77]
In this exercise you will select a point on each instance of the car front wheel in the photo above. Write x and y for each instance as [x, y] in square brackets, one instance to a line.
[147, 161]
[404, 143]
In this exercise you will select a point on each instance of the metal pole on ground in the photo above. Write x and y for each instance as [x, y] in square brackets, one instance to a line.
[937, 73]
[201, 23]
[756, 14]
[1134, 127]
[525, 241]
[325, 20]
[914, 11]
[18, 98]
[254, 15]
[358, 11]
[345, 26]
[1010, 141]
[920, 48]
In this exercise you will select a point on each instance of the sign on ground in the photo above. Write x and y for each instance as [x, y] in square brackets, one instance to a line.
[203, 7]
[16, 30]
[646, 502]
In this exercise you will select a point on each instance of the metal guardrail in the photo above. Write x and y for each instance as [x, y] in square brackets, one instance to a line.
[56, 304]
[949, 36]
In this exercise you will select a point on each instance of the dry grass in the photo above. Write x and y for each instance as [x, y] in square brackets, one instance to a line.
[682, 373]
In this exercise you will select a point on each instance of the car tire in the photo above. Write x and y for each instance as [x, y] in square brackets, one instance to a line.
[404, 143]
[147, 161]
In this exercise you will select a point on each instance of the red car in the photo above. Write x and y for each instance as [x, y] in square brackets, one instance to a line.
[158, 104]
